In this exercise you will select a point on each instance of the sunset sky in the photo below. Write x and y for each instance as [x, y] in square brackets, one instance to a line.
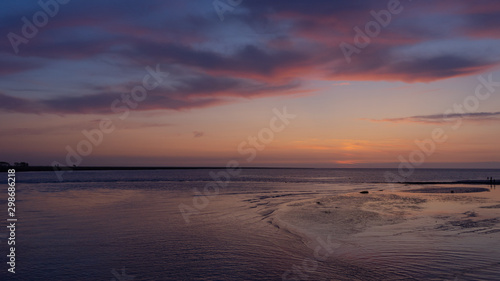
[228, 66]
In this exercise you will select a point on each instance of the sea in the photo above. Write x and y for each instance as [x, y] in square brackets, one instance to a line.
[190, 224]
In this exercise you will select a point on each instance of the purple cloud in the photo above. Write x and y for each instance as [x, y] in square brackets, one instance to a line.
[444, 118]
[198, 134]
[268, 48]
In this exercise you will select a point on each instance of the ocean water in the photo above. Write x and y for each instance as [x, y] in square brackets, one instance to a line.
[330, 176]
[128, 225]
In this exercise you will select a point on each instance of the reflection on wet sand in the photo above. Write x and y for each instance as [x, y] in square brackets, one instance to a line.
[419, 233]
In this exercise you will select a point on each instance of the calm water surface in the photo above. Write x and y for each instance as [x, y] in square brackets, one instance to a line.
[126, 225]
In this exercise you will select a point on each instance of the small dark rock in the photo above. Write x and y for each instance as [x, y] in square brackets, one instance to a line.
[470, 214]
[364, 192]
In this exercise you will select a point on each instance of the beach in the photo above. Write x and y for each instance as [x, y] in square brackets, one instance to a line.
[285, 224]
[415, 233]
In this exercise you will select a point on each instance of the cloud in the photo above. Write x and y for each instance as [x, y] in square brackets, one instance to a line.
[444, 118]
[267, 48]
[341, 84]
[11, 65]
[14, 104]
[75, 127]
[191, 90]
[246, 60]
[198, 134]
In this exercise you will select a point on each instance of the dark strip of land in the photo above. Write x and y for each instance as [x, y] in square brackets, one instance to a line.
[452, 182]
[448, 190]
[108, 168]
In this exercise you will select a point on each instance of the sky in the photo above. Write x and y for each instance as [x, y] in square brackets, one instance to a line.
[263, 83]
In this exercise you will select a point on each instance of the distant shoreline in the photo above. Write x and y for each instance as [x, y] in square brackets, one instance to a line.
[125, 168]
[118, 168]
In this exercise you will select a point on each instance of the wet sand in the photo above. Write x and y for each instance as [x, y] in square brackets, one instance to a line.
[417, 233]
